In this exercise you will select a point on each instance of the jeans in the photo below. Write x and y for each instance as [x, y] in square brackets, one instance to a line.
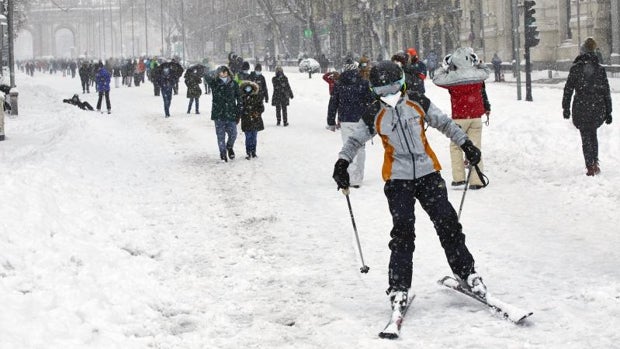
[166, 94]
[431, 191]
[222, 128]
[250, 142]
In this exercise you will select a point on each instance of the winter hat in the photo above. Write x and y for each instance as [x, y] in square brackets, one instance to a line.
[258, 67]
[245, 65]
[412, 52]
[349, 64]
[589, 45]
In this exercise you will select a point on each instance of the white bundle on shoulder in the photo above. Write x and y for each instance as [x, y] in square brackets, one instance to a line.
[461, 67]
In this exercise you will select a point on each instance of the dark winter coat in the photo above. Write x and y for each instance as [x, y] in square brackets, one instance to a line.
[84, 72]
[166, 80]
[351, 98]
[281, 90]
[102, 79]
[415, 73]
[592, 102]
[251, 108]
[193, 81]
[262, 85]
[226, 97]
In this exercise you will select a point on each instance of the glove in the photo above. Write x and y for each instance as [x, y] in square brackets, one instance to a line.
[608, 119]
[331, 128]
[471, 152]
[341, 176]
[566, 114]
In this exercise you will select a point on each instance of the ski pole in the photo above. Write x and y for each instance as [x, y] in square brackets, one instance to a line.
[364, 268]
[464, 192]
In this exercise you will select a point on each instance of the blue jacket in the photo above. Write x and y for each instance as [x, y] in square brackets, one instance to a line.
[351, 98]
[102, 79]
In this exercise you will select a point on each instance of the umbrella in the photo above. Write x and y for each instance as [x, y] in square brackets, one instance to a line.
[175, 69]
[196, 69]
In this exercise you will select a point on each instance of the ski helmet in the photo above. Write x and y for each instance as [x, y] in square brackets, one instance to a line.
[386, 78]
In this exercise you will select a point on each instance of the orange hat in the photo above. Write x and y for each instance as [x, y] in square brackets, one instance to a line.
[412, 52]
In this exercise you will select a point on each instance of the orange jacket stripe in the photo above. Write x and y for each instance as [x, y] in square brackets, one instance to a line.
[427, 147]
[388, 155]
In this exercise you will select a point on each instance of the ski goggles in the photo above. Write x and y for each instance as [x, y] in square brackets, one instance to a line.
[389, 89]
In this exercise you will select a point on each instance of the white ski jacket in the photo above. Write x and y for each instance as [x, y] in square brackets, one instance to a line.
[408, 154]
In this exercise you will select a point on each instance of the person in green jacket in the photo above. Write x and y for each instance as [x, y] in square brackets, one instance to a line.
[225, 110]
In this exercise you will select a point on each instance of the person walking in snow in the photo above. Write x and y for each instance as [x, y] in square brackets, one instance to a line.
[411, 171]
[251, 120]
[282, 93]
[224, 109]
[166, 81]
[497, 67]
[84, 73]
[463, 76]
[352, 96]
[193, 81]
[257, 77]
[592, 102]
[102, 81]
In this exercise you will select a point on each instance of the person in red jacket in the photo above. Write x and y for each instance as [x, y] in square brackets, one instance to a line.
[463, 75]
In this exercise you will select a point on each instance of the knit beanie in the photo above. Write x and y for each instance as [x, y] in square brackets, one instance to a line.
[349, 64]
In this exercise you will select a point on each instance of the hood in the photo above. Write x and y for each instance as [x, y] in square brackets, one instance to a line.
[349, 77]
[244, 83]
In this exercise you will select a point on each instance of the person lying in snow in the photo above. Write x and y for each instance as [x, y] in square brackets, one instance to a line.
[75, 100]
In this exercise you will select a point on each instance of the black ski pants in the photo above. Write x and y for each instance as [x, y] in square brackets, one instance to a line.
[431, 191]
[107, 100]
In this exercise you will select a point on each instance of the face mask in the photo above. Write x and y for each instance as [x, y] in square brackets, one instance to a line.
[248, 89]
[258, 72]
[224, 79]
[246, 71]
[392, 100]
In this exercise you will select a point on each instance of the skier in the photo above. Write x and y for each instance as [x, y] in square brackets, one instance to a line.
[592, 102]
[102, 80]
[411, 171]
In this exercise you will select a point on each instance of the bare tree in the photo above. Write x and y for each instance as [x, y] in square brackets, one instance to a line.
[268, 7]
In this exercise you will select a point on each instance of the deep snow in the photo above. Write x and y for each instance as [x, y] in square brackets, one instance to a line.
[125, 231]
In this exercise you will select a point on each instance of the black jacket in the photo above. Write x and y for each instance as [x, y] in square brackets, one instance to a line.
[281, 90]
[592, 102]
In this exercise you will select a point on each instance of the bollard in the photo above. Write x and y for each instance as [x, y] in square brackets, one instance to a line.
[13, 98]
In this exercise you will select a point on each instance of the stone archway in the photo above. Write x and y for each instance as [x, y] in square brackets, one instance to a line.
[64, 42]
[24, 45]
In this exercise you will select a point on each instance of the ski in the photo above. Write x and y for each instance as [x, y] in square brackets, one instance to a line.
[392, 329]
[504, 310]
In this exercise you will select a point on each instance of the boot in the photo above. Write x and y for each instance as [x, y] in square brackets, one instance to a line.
[231, 153]
[278, 123]
[475, 285]
[254, 154]
[223, 156]
[398, 298]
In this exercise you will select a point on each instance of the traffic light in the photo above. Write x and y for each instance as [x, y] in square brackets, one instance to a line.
[531, 31]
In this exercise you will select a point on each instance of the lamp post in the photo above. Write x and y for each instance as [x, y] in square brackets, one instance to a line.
[10, 22]
[146, 31]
